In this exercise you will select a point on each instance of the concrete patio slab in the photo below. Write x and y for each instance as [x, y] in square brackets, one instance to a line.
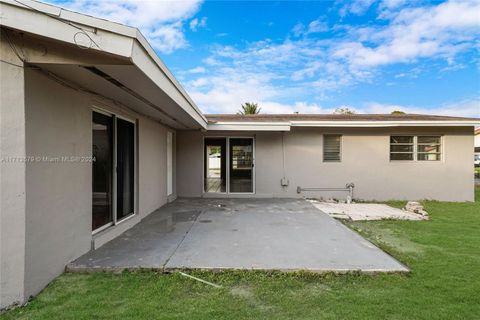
[271, 234]
[365, 211]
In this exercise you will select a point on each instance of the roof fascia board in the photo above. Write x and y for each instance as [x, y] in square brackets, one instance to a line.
[74, 17]
[423, 123]
[249, 126]
[165, 80]
[42, 24]
[285, 126]
[148, 48]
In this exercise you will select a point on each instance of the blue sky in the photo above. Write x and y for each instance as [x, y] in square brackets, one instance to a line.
[314, 56]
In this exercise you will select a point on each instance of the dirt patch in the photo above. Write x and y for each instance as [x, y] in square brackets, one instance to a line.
[243, 292]
[247, 294]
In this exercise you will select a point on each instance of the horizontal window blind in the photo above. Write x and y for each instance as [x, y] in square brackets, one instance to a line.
[331, 147]
[419, 148]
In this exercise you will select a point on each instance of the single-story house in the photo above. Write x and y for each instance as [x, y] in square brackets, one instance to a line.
[96, 133]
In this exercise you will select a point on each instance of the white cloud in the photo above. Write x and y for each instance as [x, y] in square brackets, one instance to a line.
[196, 23]
[356, 7]
[197, 70]
[269, 72]
[160, 21]
[315, 26]
[465, 108]
[298, 29]
[392, 4]
[440, 31]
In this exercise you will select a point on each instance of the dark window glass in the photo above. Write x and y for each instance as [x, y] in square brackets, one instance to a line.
[428, 139]
[401, 156]
[401, 148]
[331, 147]
[102, 138]
[125, 168]
[401, 139]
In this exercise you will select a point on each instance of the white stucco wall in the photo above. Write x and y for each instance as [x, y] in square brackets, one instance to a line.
[365, 162]
[189, 163]
[59, 195]
[153, 166]
[12, 177]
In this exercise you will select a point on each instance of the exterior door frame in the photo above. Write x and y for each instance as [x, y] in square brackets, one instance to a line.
[114, 116]
[227, 146]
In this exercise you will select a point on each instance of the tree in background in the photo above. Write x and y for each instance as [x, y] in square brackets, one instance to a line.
[343, 111]
[249, 108]
[397, 112]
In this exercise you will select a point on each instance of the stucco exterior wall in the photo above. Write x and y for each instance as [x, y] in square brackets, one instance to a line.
[365, 162]
[152, 166]
[59, 194]
[189, 163]
[12, 177]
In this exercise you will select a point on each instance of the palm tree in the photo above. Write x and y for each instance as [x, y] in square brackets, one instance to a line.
[249, 108]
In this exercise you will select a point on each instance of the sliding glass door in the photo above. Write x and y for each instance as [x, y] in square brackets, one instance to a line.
[215, 171]
[102, 170]
[241, 165]
[228, 165]
[113, 170]
[125, 168]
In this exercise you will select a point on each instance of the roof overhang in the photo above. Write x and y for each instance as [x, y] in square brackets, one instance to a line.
[370, 124]
[249, 126]
[140, 69]
[286, 126]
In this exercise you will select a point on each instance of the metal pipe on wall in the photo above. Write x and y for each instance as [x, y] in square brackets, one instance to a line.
[348, 187]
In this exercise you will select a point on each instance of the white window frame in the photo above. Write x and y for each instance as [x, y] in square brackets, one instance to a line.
[340, 149]
[116, 116]
[415, 148]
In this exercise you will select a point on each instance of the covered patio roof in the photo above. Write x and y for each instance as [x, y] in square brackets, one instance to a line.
[100, 57]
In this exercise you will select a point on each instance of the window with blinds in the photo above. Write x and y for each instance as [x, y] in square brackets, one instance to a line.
[415, 148]
[332, 147]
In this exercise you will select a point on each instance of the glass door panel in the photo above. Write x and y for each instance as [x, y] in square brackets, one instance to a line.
[215, 173]
[125, 168]
[241, 165]
[102, 138]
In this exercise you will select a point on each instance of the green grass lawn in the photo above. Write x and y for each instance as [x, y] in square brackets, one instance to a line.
[443, 254]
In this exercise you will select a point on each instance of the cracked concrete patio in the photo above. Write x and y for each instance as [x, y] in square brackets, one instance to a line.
[269, 234]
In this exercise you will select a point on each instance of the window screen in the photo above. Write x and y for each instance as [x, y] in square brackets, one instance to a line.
[331, 147]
